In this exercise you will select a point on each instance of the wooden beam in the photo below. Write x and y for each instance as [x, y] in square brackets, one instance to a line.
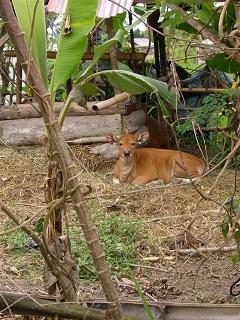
[137, 56]
[201, 90]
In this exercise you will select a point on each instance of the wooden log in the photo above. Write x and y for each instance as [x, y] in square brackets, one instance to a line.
[31, 131]
[21, 304]
[114, 101]
[25, 111]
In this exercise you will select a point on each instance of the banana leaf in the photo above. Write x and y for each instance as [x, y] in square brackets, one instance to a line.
[36, 38]
[72, 45]
[100, 50]
[136, 84]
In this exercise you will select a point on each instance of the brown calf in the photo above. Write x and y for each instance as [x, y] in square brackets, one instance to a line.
[144, 165]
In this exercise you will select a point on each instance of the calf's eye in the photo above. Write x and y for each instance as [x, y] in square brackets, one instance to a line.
[133, 144]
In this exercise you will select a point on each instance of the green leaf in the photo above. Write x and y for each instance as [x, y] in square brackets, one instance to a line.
[234, 259]
[89, 89]
[147, 307]
[223, 121]
[143, 18]
[100, 50]
[137, 84]
[139, 10]
[204, 16]
[118, 21]
[225, 226]
[123, 82]
[123, 66]
[223, 62]
[187, 28]
[25, 12]
[73, 45]
[39, 225]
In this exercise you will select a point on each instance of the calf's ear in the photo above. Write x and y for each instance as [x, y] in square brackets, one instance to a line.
[111, 138]
[142, 137]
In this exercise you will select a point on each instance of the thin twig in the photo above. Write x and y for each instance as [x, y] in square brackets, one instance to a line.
[201, 250]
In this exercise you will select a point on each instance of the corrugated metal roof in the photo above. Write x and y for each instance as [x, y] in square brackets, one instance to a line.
[106, 8]
[57, 6]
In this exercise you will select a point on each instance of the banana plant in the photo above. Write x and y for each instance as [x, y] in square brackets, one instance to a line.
[79, 20]
[123, 80]
[31, 17]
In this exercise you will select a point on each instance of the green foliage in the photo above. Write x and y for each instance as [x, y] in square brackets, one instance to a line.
[119, 236]
[234, 259]
[138, 33]
[118, 21]
[231, 222]
[35, 39]
[39, 225]
[17, 240]
[225, 226]
[178, 50]
[223, 62]
[100, 50]
[216, 111]
[72, 46]
[134, 83]
[147, 307]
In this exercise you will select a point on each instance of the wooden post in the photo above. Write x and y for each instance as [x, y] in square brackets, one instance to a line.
[18, 70]
[152, 20]
[113, 49]
[163, 54]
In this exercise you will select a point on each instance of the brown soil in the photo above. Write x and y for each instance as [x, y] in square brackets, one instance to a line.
[175, 218]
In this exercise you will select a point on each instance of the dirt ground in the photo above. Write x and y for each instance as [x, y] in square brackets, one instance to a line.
[174, 219]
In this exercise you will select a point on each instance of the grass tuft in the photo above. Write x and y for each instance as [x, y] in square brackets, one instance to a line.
[119, 236]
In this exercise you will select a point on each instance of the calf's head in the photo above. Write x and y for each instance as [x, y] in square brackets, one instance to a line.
[128, 143]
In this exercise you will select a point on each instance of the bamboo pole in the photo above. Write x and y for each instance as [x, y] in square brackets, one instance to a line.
[201, 90]
[120, 97]
[18, 69]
